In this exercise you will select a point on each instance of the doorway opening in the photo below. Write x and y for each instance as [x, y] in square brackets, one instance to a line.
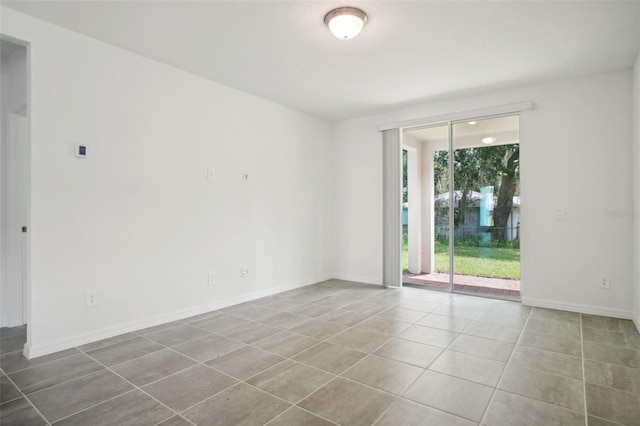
[461, 207]
[14, 196]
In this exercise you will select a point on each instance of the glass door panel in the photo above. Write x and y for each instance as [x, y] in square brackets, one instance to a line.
[486, 207]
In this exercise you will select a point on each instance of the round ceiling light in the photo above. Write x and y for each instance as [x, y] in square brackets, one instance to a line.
[345, 22]
[489, 140]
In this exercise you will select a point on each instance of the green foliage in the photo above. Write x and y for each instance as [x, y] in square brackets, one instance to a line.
[405, 180]
[501, 259]
[473, 241]
[515, 244]
[473, 168]
[441, 172]
[442, 239]
[489, 262]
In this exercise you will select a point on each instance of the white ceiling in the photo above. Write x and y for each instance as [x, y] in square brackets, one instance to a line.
[409, 52]
[469, 134]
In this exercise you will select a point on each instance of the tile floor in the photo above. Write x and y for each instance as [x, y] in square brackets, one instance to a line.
[339, 353]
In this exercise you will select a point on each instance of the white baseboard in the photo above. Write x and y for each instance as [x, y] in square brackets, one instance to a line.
[636, 321]
[31, 351]
[358, 279]
[576, 307]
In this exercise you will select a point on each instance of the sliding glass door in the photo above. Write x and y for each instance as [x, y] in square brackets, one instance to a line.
[462, 207]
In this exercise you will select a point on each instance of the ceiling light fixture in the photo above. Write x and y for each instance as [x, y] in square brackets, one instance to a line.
[489, 140]
[345, 22]
[472, 123]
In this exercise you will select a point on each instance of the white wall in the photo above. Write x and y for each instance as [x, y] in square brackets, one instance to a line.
[138, 220]
[575, 149]
[636, 189]
[358, 201]
[13, 90]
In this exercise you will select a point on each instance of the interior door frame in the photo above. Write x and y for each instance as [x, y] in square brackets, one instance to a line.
[26, 236]
[16, 152]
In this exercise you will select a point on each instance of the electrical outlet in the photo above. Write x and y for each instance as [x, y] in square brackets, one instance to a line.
[244, 272]
[91, 298]
[245, 177]
[605, 283]
[211, 173]
[212, 278]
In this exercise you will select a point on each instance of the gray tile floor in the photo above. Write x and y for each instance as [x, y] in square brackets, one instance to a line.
[339, 353]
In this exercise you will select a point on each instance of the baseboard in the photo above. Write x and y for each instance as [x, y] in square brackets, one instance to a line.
[358, 279]
[31, 351]
[636, 321]
[576, 307]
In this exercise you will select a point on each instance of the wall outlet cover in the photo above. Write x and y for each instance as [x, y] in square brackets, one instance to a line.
[91, 298]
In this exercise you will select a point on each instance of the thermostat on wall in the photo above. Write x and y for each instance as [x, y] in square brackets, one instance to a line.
[81, 151]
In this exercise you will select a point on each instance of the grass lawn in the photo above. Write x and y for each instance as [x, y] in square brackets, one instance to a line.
[478, 261]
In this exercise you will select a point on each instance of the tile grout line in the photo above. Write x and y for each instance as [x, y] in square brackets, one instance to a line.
[182, 322]
[340, 375]
[423, 368]
[303, 409]
[27, 399]
[584, 376]
[131, 383]
[44, 363]
[243, 381]
[79, 351]
[203, 363]
[397, 397]
[21, 394]
[506, 365]
[140, 388]
[173, 350]
[262, 371]
[86, 353]
[95, 405]
[401, 396]
[211, 333]
[336, 376]
[327, 341]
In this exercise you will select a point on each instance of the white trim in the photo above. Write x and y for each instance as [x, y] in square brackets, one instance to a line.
[577, 307]
[636, 321]
[452, 208]
[84, 338]
[460, 116]
[358, 279]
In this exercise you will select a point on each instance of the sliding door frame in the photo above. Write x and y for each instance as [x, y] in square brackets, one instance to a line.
[392, 181]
